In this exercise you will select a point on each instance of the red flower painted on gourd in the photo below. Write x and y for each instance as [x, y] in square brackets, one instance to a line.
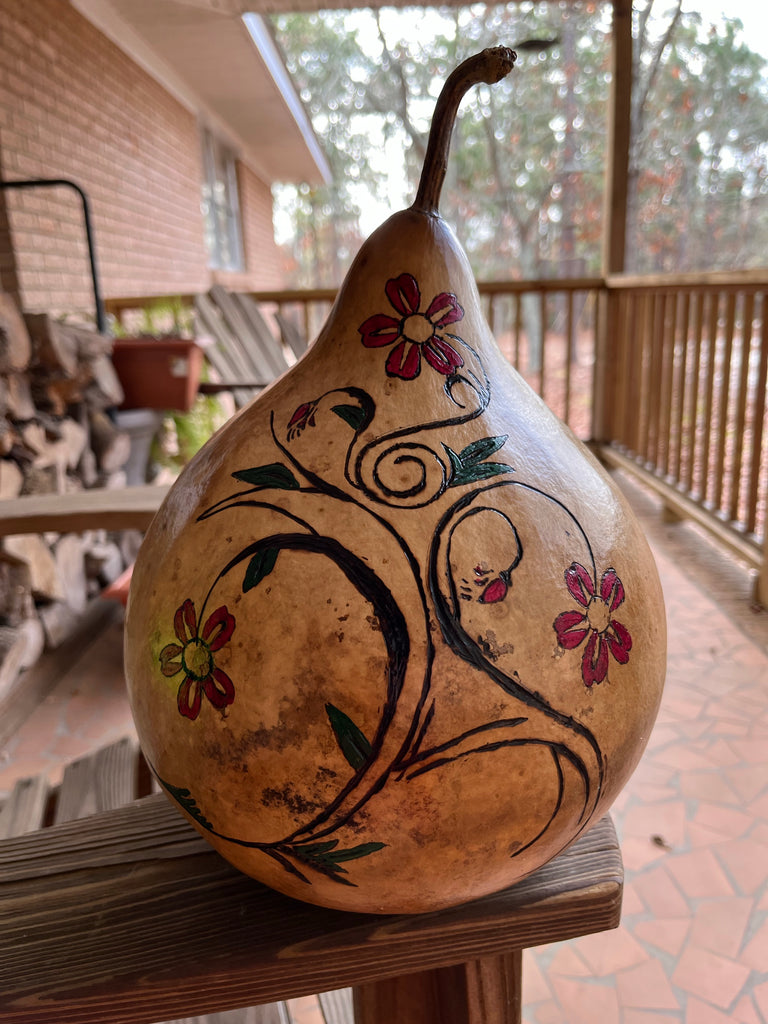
[606, 635]
[303, 417]
[193, 655]
[414, 334]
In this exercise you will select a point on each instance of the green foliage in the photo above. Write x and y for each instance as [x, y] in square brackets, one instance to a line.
[524, 188]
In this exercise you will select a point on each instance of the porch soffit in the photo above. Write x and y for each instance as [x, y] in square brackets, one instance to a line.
[225, 68]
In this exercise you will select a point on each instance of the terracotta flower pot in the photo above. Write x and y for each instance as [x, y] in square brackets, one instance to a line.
[158, 373]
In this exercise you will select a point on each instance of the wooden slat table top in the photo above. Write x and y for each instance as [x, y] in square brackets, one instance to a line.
[99, 508]
[128, 916]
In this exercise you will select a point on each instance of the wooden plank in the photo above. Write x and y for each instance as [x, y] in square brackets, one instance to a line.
[225, 356]
[478, 992]
[126, 508]
[102, 781]
[666, 368]
[569, 355]
[129, 917]
[24, 810]
[291, 335]
[270, 346]
[246, 343]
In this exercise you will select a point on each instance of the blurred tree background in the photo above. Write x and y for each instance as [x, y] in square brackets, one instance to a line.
[524, 190]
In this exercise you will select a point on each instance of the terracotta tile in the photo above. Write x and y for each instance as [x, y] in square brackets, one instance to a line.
[710, 786]
[648, 1017]
[647, 987]
[608, 952]
[755, 954]
[585, 1002]
[550, 1013]
[726, 820]
[699, 875]
[665, 933]
[699, 836]
[631, 902]
[306, 1010]
[698, 1012]
[760, 996]
[640, 853]
[715, 978]
[745, 1013]
[720, 926]
[662, 819]
[746, 861]
[661, 895]
[535, 986]
[650, 793]
[568, 962]
[682, 758]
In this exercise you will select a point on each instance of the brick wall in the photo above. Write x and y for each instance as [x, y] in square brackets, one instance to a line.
[73, 105]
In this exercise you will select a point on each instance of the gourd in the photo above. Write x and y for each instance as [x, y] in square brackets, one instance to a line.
[395, 639]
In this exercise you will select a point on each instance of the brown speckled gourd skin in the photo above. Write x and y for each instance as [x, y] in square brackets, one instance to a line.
[489, 753]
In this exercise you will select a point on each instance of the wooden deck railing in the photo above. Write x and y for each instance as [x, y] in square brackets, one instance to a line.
[666, 376]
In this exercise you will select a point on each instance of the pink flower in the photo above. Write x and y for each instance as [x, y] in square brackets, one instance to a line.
[193, 655]
[303, 417]
[604, 635]
[413, 333]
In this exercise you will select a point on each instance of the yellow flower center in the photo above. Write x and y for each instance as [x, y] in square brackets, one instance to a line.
[197, 659]
[598, 615]
[417, 328]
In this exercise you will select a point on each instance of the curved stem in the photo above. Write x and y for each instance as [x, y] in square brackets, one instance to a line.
[489, 67]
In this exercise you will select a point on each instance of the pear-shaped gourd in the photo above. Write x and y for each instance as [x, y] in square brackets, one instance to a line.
[394, 638]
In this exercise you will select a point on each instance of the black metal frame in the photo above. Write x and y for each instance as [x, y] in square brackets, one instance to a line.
[101, 317]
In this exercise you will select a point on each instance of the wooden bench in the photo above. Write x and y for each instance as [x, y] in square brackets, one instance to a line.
[128, 915]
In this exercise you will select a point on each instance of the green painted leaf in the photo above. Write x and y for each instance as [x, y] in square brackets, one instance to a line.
[351, 414]
[482, 449]
[456, 463]
[478, 471]
[273, 475]
[260, 565]
[184, 798]
[356, 851]
[352, 741]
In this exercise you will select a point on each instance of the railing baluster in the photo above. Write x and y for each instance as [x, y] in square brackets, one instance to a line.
[666, 367]
[753, 520]
[712, 323]
[569, 355]
[543, 353]
[723, 404]
[693, 414]
[745, 348]
[681, 386]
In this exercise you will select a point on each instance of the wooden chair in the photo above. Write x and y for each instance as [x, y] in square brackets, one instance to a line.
[127, 915]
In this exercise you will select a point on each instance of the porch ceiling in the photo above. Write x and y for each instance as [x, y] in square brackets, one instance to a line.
[225, 67]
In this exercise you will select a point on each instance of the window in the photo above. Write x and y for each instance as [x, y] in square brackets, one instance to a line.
[220, 206]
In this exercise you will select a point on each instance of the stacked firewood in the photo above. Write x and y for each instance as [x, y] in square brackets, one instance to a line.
[57, 389]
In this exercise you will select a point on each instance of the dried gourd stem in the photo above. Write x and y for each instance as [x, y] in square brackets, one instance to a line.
[489, 67]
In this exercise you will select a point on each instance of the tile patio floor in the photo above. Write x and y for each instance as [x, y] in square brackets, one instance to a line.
[693, 820]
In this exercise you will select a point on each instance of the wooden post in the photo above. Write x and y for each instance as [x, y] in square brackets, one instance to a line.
[614, 214]
[486, 991]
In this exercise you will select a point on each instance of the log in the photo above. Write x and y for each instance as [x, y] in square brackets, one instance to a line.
[19, 398]
[45, 579]
[19, 648]
[112, 446]
[11, 479]
[15, 347]
[104, 389]
[69, 555]
[75, 436]
[16, 602]
[54, 345]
